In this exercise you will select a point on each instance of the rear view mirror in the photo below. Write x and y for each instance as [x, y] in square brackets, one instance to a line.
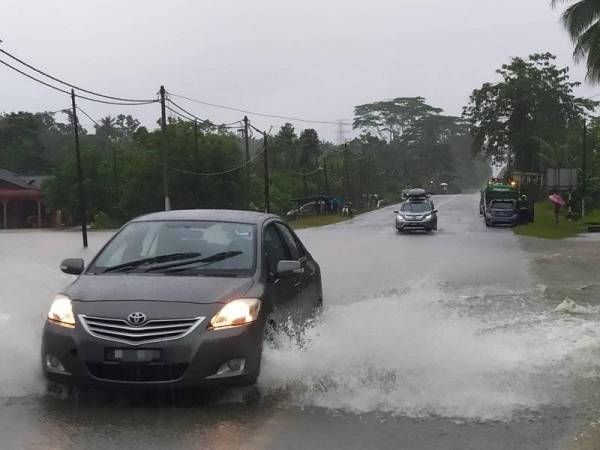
[288, 268]
[435, 211]
[396, 212]
[72, 266]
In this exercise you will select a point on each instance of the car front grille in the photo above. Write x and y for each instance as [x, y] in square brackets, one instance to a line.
[119, 330]
[137, 372]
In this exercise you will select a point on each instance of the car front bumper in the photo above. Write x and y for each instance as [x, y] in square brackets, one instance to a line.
[410, 225]
[502, 220]
[188, 362]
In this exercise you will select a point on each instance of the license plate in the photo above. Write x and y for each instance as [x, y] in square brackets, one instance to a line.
[140, 355]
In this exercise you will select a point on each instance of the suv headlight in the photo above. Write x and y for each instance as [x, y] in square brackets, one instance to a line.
[428, 217]
[61, 311]
[400, 218]
[236, 312]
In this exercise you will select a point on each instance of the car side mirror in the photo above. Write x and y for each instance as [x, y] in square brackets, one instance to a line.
[72, 266]
[288, 268]
[435, 211]
[396, 212]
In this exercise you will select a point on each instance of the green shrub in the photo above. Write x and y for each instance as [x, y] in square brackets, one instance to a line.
[102, 221]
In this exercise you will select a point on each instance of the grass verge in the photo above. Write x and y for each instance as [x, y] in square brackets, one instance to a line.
[316, 221]
[545, 226]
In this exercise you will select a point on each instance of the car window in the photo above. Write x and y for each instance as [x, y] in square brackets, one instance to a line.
[507, 204]
[275, 248]
[414, 207]
[307, 207]
[288, 237]
[141, 240]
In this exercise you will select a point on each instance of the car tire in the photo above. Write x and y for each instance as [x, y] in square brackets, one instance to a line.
[399, 231]
[488, 224]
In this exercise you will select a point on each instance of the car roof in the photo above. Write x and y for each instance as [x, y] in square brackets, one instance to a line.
[217, 215]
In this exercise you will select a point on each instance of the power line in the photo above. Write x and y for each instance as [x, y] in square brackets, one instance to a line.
[72, 85]
[88, 116]
[306, 174]
[32, 115]
[224, 172]
[245, 111]
[187, 112]
[192, 117]
[68, 93]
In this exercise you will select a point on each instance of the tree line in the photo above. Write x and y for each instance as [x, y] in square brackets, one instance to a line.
[400, 143]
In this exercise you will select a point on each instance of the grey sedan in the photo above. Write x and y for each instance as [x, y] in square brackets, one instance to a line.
[180, 299]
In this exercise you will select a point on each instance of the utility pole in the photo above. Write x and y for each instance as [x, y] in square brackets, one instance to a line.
[165, 143]
[82, 206]
[266, 161]
[247, 145]
[304, 182]
[347, 169]
[360, 179]
[196, 159]
[325, 175]
[584, 169]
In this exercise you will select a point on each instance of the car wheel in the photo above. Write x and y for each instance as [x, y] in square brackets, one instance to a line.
[399, 230]
[488, 224]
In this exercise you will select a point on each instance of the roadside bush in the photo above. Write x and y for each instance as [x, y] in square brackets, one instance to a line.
[102, 221]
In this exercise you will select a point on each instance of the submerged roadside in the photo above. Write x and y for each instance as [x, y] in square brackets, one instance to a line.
[568, 271]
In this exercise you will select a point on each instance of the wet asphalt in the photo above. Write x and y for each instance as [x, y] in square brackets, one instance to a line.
[497, 287]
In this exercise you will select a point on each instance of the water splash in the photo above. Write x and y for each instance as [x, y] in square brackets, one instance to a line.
[412, 355]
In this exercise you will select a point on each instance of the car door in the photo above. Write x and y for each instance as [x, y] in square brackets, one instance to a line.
[283, 291]
[309, 292]
[434, 214]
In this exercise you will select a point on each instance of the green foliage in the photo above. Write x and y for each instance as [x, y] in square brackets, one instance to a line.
[534, 100]
[390, 119]
[123, 162]
[413, 145]
[102, 221]
[581, 20]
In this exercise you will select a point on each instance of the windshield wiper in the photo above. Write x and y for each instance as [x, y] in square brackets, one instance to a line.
[151, 261]
[203, 262]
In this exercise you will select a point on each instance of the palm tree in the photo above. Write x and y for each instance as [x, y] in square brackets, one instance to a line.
[582, 21]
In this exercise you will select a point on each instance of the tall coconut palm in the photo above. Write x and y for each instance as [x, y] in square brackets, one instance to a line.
[582, 21]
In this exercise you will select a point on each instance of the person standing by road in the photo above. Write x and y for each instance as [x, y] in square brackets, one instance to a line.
[557, 201]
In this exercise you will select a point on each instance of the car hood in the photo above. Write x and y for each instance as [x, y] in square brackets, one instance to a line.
[190, 289]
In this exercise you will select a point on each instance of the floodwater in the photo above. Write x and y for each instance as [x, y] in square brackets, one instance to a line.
[468, 338]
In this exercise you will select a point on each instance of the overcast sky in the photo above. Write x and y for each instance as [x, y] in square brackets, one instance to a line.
[313, 59]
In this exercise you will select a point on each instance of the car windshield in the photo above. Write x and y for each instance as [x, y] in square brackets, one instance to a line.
[160, 246]
[506, 204]
[421, 207]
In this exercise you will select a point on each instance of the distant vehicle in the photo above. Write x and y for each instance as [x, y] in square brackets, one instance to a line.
[416, 214]
[517, 206]
[502, 212]
[308, 209]
[180, 299]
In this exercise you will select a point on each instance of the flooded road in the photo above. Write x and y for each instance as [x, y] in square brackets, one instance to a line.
[468, 338]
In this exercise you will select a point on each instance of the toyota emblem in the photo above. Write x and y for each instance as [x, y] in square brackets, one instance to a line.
[136, 318]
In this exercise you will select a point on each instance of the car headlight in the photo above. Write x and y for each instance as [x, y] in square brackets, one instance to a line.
[427, 217]
[400, 218]
[61, 311]
[237, 312]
